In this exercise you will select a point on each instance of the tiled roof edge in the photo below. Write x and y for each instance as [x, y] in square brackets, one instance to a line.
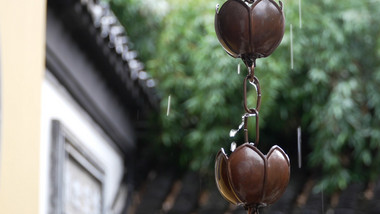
[111, 30]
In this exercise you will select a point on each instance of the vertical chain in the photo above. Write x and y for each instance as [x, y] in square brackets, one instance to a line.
[252, 111]
[246, 140]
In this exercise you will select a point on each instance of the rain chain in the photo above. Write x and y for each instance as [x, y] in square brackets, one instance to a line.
[251, 29]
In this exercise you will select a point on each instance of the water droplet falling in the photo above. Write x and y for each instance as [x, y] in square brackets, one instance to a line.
[168, 109]
[234, 131]
[254, 84]
[299, 147]
[291, 47]
[300, 12]
[233, 146]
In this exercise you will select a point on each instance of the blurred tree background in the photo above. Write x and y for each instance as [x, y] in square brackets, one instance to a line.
[332, 92]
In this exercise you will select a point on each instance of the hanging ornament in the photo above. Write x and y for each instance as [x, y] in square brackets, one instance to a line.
[250, 178]
[251, 29]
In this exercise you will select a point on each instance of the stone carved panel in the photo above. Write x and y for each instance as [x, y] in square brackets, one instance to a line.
[76, 176]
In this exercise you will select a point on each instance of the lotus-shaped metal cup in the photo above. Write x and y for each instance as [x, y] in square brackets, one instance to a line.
[250, 178]
[250, 30]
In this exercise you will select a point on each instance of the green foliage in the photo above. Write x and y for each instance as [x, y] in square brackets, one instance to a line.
[335, 88]
[191, 67]
[333, 91]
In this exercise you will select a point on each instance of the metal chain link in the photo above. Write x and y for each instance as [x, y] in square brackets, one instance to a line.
[252, 111]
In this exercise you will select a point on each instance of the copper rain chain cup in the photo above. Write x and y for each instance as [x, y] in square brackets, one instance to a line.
[251, 29]
[250, 178]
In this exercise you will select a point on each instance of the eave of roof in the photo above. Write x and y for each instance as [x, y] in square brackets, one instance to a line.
[110, 29]
[112, 45]
[90, 30]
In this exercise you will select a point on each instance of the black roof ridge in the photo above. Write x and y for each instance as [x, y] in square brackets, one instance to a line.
[111, 30]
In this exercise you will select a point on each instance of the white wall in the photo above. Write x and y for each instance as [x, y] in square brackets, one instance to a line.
[57, 104]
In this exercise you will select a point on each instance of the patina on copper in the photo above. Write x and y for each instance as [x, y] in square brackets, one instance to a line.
[250, 29]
